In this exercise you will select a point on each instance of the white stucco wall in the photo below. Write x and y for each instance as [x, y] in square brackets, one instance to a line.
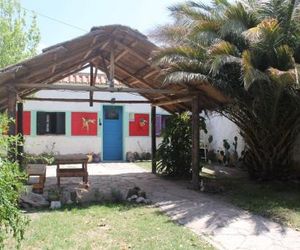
[221, 128]
[218, 126]
[67, 144]
[62, 144]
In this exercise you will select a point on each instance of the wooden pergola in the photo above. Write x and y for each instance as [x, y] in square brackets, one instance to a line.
[122, 54]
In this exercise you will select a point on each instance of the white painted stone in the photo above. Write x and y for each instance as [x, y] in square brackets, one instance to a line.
[55, 205]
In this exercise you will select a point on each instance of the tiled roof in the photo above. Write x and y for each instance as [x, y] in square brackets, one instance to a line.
[84, 78]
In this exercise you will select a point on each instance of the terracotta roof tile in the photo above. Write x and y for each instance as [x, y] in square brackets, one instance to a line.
[84, 78]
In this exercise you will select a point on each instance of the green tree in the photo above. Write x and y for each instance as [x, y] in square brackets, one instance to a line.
[251, 51]
[19, 35]
[12, 221]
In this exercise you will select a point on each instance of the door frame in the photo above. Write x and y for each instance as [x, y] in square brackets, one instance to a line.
[122, 129]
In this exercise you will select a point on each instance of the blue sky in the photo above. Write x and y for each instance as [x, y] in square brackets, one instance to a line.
[143, 15]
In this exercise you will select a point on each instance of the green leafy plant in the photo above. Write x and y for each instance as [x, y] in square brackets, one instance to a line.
[174, 153]
[235, 143]
[250, 51]
[12, 221]
[20, 36]
[211, 155]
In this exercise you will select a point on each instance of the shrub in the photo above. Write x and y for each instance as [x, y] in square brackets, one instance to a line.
[12, 221]
[174, 154]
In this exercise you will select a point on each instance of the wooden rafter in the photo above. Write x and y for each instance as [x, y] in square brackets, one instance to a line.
[94, 88]
[175, 101]
[85, 100]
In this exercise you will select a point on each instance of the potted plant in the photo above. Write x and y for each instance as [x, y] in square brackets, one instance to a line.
[235, 155]
[211, 155]
[226, 146]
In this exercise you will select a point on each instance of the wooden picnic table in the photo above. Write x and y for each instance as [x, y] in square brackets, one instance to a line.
[71, 171]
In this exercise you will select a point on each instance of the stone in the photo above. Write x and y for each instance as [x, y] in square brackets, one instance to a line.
[140, 200]
[147, 201]
[31, 199]
[130, 157]
[55, 205]
[142, 194]
[66, 197]
[134, 197]
[133, 191]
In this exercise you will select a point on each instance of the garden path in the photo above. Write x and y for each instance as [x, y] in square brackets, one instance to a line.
[222, 224]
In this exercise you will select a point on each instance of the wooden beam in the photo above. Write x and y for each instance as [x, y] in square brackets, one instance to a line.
[141, 81]
[30, 91]
[151, 73]
[112, 64]
[133, 52]
[153, 138]
[175, 101]
[85, 100]
[20, 148]
[92, 83]
[118, 57]
[195, 143]
[11, 109]
[41, 70]
[96, 88]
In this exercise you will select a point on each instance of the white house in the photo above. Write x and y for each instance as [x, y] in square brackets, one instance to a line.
[110, 130]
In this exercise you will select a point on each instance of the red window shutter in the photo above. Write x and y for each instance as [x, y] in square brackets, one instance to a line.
[84, 123]
[26, 123]
[139, 126]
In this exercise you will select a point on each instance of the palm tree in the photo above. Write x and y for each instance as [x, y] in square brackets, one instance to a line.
[251, 51]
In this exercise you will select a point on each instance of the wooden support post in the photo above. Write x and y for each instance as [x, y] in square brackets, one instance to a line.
[112, 64]
[11, 111]
[91, 84]
[153, 138]
[195, 143]
[20, 151]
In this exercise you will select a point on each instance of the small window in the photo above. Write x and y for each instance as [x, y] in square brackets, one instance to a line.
[161, 124]
[51, 123]
[111, 114]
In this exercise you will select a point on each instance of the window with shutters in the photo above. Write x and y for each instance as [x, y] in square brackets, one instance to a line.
[51, 123]
[161, 124]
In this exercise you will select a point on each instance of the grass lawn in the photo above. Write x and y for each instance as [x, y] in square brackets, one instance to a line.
[144, 164]
[278, 201]
[111, 226]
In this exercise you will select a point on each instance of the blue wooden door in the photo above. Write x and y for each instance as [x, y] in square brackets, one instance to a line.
[112, 133]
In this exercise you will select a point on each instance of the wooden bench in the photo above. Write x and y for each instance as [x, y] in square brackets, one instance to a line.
[71, 171]
[38, 170]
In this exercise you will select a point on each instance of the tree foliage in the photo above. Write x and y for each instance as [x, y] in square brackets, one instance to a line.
[174, 153]
[250, 50]
[12, 221]
[19, 36]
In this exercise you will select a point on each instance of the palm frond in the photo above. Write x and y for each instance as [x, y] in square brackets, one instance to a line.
[185, 78]
[283, 78]
[251, 74]
[224, 48]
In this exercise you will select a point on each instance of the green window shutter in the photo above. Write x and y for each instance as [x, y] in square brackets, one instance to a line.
[41, 123]
[60, 123]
